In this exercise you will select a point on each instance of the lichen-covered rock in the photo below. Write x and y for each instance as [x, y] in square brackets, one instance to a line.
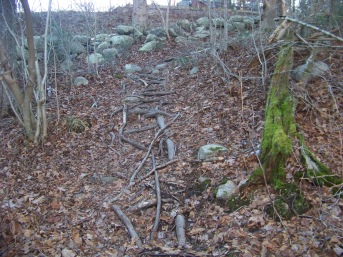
[82, 39]
[77, 47]
[203, 22]
[148, 46]
[185, 24]
[68, 65]
[210, 151]
[125, 30]
[102, 46]
[110, 53]
[102, 37]
[79, 81]
[95, 58]
[218, 22]
[131, 68]
[121, 41]
[226, 190]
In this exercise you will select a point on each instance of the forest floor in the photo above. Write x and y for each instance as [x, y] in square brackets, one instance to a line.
[54, 196]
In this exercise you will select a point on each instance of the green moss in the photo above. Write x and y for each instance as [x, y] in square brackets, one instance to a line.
[119, 76]
[202, 186]
[288, 203]
[235, 202]
[256, 176]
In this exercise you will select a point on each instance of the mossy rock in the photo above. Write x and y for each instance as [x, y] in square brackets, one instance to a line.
[78, 125]
[288, 203]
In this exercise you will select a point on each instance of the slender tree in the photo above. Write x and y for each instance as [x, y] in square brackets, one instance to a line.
[139, 15]
[7, 17]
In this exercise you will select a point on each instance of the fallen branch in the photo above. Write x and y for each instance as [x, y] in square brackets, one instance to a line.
[124, 123]
[169, 142]
[180, 224]
[312, 27]
[158, 198]
[131, 131]
[134, 236]
[133, 143]
[150, 147]
[158, 93]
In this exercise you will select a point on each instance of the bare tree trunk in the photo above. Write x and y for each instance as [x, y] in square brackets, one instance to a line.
[139, 15]
[271, 9]
[7, 12]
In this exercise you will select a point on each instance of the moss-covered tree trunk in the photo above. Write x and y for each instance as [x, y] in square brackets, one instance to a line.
[277, 143]
[279, 127]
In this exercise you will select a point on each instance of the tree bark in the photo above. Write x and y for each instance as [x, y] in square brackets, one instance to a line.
[139, 15]
[7, 16]
[279, 128]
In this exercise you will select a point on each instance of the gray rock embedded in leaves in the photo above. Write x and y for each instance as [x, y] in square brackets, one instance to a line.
[95, 58]
[185, 24]
[159, 32]
[218, 22]
[82, 39]
[80, 81]
[148, 46]
[68, 65]
[210, 150]
[193, 71]
[125, 30]
[110, 53]
[102, 37]
[77, 47]
[151, 37]
[131, 68]
[226, 190]
[203, 22]
[236, 18]
[121, 41]
[102, 46]
[240, 26]
[319, 69]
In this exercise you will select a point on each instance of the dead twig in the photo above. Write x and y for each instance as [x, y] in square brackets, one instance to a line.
[150, 147]
[124, 123]
[134, 236]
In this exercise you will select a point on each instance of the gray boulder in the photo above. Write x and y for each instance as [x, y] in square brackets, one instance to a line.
[79, 81]
[226, 190]
[76, 47]
[203, 22]
[319, 69]
[125, 30]
[110, 53]
[236, 18]
[123, 41]
[102, 46]
[148, 46]
[240, 26]
[131, 68]
[82, 39]
[185, 24]
[159, 32]
[211, 150]
[68, 65]
[102, 37]
[95, 58]
[218, 22]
